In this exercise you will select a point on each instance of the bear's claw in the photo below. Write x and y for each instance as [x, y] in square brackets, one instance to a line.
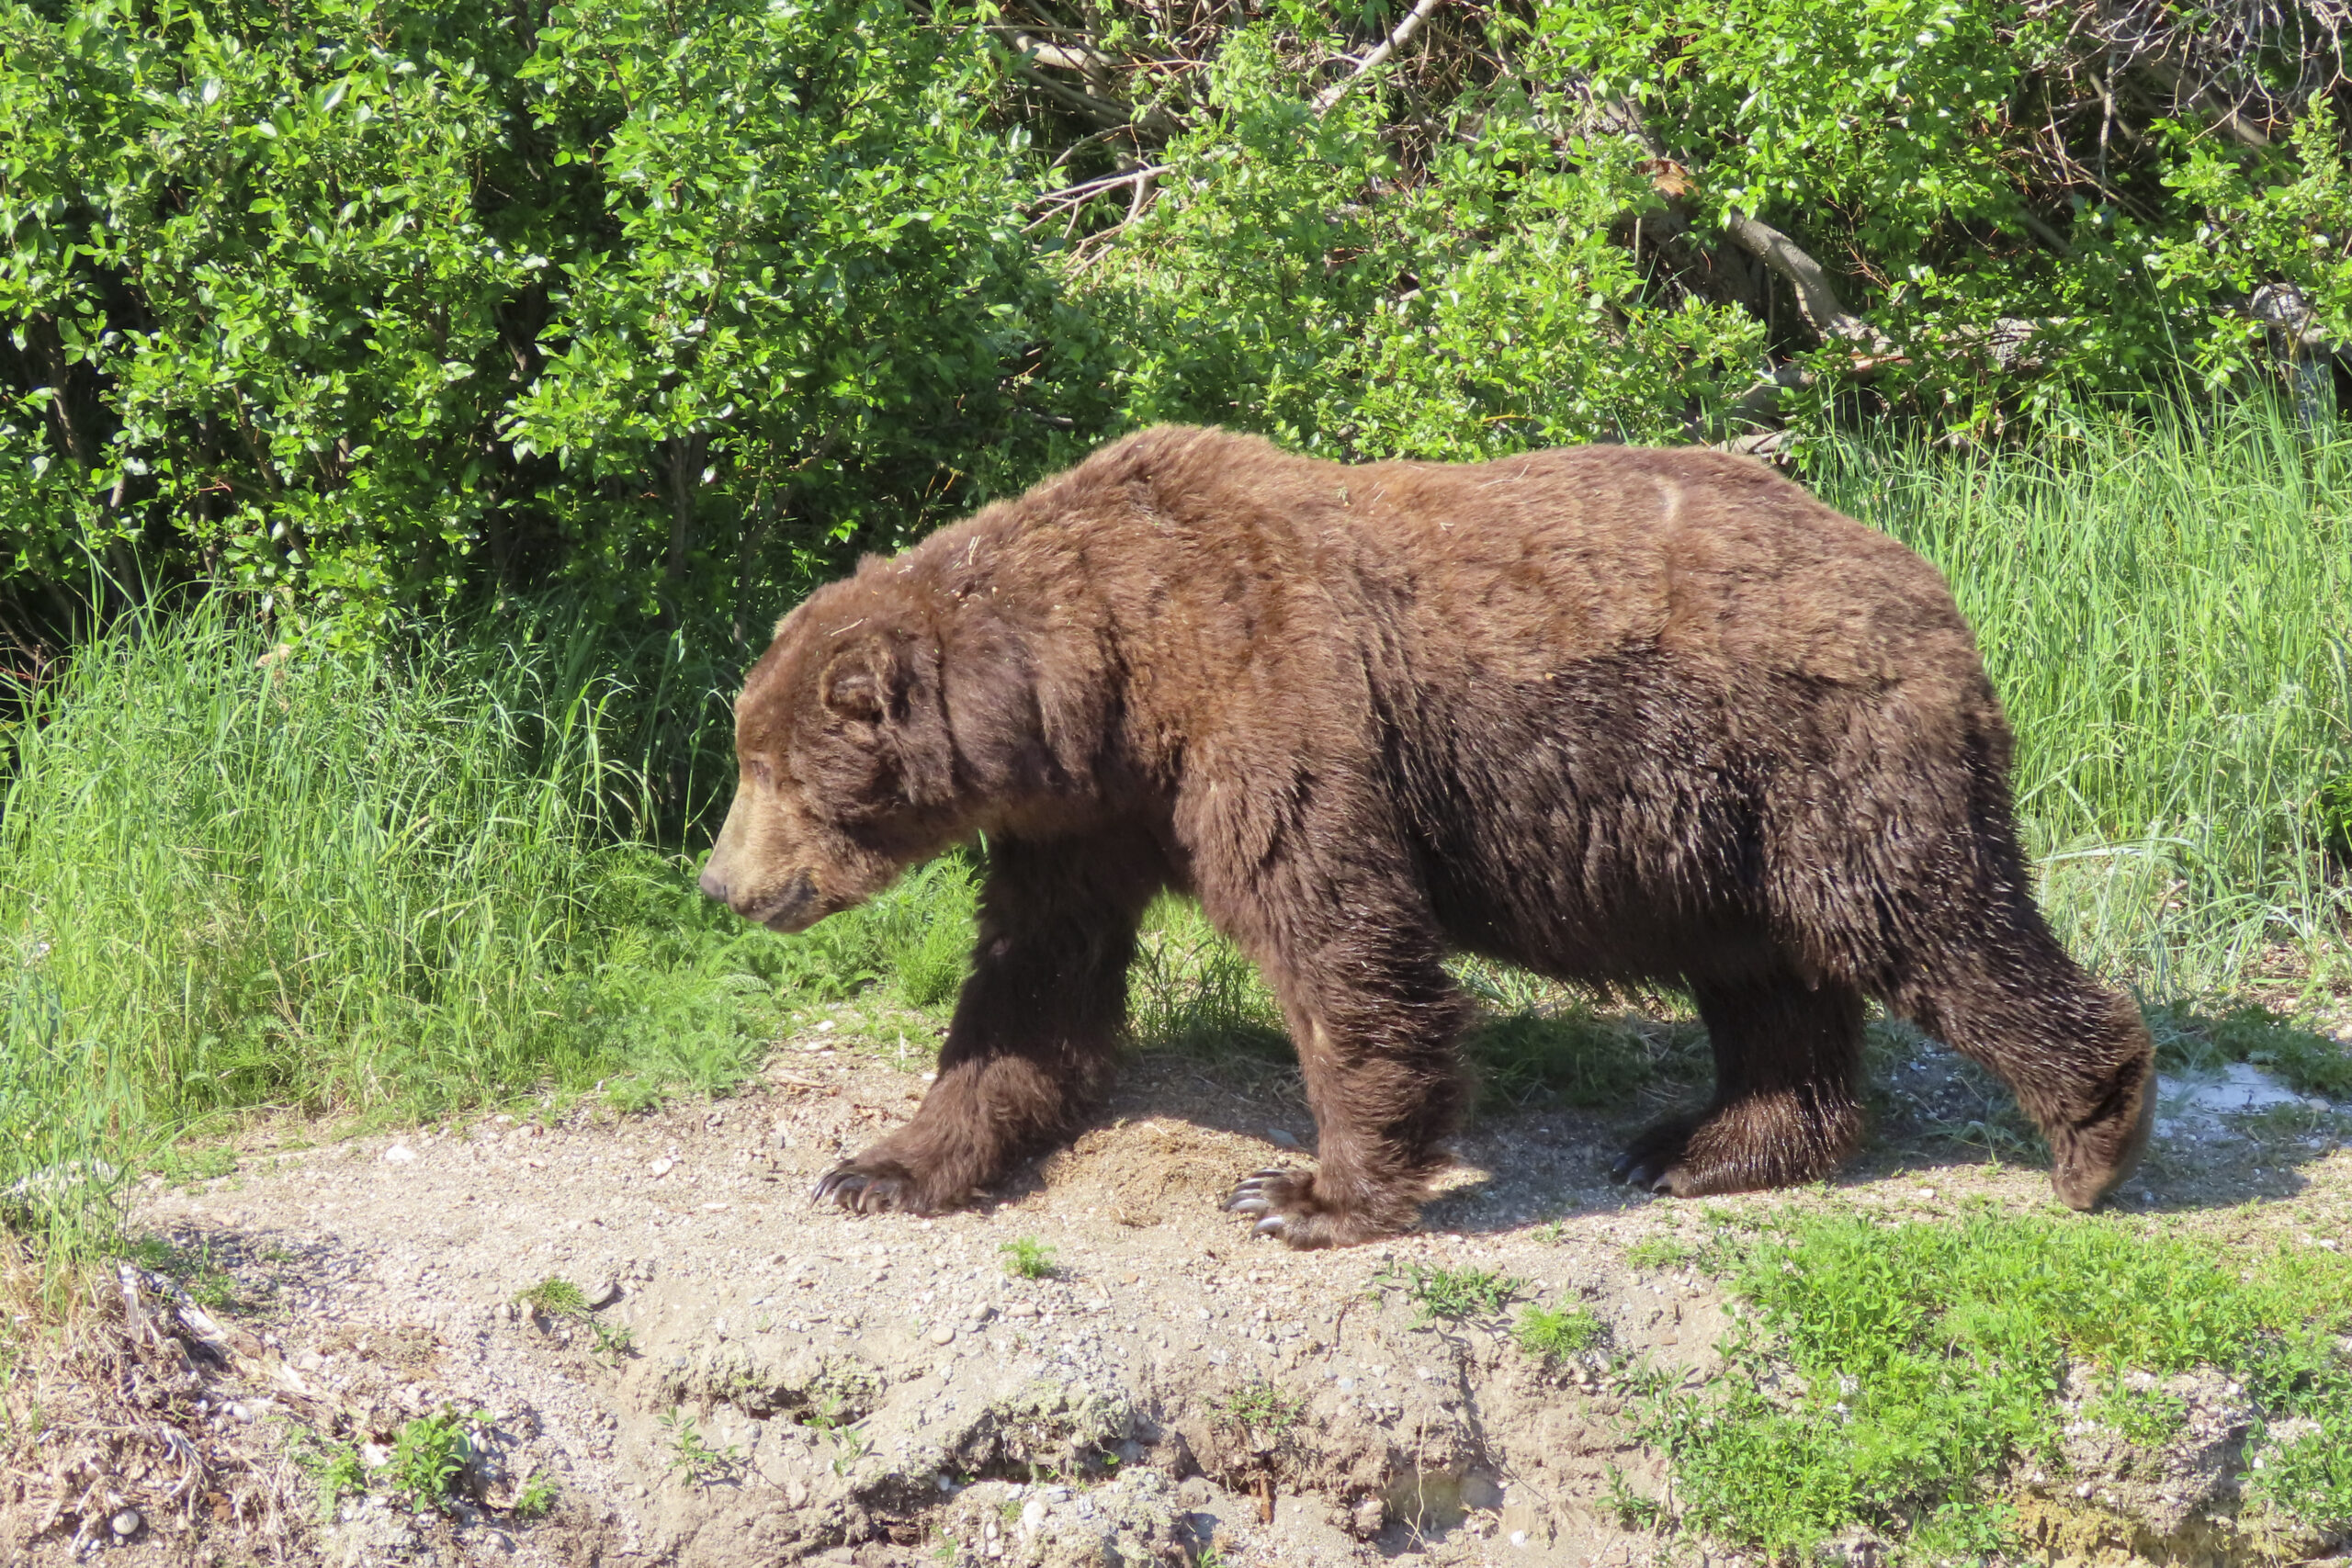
[1635, 1171]
[867, 1191]
[1259, 1194]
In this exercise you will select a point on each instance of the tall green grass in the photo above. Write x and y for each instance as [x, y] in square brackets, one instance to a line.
[2166, 610]
[234, 879]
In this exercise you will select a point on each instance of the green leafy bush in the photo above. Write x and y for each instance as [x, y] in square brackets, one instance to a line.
[367, 307]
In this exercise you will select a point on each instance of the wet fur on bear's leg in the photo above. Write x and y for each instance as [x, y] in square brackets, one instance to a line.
[1035, 1027]
[1787, 1107]
[2010, 1003]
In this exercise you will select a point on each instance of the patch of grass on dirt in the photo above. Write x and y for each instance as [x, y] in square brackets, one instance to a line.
[559, 1298]
[536, 1496]
[429, 1452]
[195, 1270]
[1893, 1376]
[2189, 1039]
[1263, 1407]
[1027, 1258]
[1538, 1042]
[1553, 1335]
[334, 1468]
[1659, 1252]
[2145, 1414]
[1452, 1294]
[1191, 992]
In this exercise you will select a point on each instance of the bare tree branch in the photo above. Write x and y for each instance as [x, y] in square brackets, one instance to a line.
[1373, 61]
[1823, 311]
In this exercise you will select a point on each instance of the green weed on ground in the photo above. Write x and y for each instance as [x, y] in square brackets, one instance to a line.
[1896, 1376]
[429, 1452]
[559, 1299]
[691, 1454]
[1263, 1407]
[1027, 1258]
[1450, 1295]
[2189, 1039]
[334, 1468]
[1553, 1335]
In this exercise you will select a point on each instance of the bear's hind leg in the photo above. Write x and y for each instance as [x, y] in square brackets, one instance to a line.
[1786, 1109]
[2077, 1055]
[1035, 1027]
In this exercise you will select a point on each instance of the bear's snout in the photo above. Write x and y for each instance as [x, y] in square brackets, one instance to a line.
[790, 906]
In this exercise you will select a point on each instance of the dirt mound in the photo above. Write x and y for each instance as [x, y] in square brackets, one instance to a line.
[1153, 1171]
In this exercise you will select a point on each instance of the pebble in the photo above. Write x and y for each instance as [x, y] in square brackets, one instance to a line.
[663, 1167]
[399, 1153]
[1022, 1309]
[126, 1524]
[1282, 1136]
[943, 1334]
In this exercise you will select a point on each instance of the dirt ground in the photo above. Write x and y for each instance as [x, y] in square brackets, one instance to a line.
[802, 1384]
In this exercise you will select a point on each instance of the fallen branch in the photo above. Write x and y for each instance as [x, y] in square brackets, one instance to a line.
[1818, 301]
[1406, 28]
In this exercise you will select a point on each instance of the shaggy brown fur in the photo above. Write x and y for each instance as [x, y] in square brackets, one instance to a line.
[1604, 712]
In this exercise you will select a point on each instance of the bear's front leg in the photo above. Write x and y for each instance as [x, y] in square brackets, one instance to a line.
[1033, 1029]
[1378, 1053]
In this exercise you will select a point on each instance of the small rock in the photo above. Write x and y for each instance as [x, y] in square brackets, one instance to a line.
[1282, 1136]
[943, 1334]
[1032, 1512]
[607, 1292]
[661, 1167]
[1369, 1517]
[1022, 1309]
[399, 1153]
[126, 1524]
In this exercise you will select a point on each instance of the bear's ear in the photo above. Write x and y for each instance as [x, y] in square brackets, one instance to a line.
[864, 681]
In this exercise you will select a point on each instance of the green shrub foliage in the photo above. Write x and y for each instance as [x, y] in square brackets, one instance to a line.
[361, 305]
[366, 308]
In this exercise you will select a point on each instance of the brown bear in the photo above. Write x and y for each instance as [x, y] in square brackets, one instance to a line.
[1605, 713]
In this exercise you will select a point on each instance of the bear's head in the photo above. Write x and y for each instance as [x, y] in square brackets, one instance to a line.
[844, 766]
